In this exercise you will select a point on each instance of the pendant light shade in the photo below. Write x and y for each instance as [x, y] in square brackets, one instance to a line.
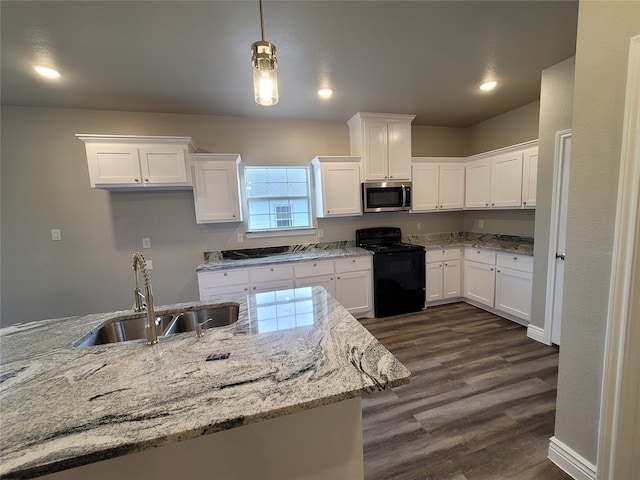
[264, 59]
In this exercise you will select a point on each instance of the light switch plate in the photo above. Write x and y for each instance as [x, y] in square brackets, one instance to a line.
[56, 234]
[146, 243]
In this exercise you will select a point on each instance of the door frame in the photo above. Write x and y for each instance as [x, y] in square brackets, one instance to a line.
[620, 403]
[562, 137]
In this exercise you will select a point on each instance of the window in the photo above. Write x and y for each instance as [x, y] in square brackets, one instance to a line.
[278, 198]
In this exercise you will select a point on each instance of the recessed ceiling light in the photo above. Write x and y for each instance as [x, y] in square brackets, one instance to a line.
[488, 86]
[325, 92]
[46, 71]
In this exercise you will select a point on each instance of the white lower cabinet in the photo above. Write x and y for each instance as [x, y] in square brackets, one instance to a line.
[349, 280]
[443, 274]
[514, 281]
[479, 282]
[500, 281]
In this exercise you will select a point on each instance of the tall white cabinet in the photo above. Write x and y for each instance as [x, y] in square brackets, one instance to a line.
[216, 187]
[384, 142]
[337, 186]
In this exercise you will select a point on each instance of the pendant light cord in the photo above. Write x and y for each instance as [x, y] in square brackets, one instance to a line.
[261, 21]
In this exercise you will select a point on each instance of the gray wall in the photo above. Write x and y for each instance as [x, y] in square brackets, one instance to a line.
[45, 185]
[604, 31]
[556, 107]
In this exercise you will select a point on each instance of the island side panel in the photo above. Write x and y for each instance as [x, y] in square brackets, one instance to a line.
[316, 444]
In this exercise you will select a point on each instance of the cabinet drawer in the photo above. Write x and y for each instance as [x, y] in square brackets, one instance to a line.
[265, 274]
[310, 269]
[442, 255]
[480, 256]
[353, 264]
[523, 263]
[226, 277]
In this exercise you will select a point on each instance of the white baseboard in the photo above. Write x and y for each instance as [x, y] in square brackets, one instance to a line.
[571, 462]
[536, 333]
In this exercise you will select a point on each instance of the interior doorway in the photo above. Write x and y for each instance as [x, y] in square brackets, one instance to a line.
[557, 238]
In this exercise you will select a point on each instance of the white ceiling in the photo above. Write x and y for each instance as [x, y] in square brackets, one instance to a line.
[417, 57]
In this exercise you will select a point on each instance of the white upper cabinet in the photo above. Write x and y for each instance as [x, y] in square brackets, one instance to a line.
[216, 188]
[498, 179]
[117, 161]
[437, 184]
[384, 143]
[529, 177]
[337, 186]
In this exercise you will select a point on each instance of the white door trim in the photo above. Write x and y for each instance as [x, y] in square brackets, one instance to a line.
[544, 335]
[620, 406]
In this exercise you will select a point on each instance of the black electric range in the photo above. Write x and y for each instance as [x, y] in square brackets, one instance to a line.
[398, 271]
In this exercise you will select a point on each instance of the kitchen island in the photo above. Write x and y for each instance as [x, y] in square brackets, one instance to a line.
[285, 400]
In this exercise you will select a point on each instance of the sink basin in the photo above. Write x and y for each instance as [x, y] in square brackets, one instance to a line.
[132, 327]
[210, 317]
[121, 330]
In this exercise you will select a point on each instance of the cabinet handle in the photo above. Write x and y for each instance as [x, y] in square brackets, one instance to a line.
[524, 203]
[271, 269]
[493, 204]
[515, 258]
[246, 288]
[225, 274]
[314, 264]
[440, 206]
[353, 261]
[136, 179]
[491, 269]
[446, 264]
[486, 204]
[146, 180]
[497, 271]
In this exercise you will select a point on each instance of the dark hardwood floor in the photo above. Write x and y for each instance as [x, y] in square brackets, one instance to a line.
[480, 404]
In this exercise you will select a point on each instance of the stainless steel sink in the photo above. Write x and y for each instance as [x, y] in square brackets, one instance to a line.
[210, 317]
[133, 327]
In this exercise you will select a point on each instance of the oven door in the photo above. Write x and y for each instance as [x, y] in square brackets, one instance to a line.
[386, 196]
[398, 282]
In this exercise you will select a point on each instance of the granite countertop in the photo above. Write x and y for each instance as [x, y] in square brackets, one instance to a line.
[215, 261]
[64, 406]
[223, 260]
[498, 243]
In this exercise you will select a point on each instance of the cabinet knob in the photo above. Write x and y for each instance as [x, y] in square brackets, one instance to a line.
[146, 180]
[515, 258]
[353, 261]
[225, 274]
[234, 215]
[136, 179]
[491, 269]
[446, 264]
[314, 264]
[245, 289]
[440, 206]
[271, 269]
[524, 203]
[486, 204]
[493, 204]
[498, 271]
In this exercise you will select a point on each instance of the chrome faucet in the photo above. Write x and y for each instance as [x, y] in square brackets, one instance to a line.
[138, 262]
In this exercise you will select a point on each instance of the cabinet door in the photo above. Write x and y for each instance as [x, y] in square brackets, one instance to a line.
[425, 184]
[478, 184]
[529, 177]
[341, 194]
[376, 159]
[113, 165]
[451, 279]
[215, 285]
[326, 281]
[513, 292]
[354, 291]
[451, 187]
[163, 165]
[479, 282]
[506, 180]
[399, 144]
[434, 281]
[215, 192]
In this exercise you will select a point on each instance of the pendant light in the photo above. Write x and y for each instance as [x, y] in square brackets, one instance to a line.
[264, 59]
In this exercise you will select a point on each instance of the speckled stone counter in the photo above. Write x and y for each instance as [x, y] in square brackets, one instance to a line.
[499, 243]
[64, 406]
[295, 253]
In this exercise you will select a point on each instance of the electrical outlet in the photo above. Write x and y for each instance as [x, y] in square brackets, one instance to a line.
[146, 243]
[419, 226]
[148, 264]
[240, 238]
[321, 233]
[480, 223]
[56, 234]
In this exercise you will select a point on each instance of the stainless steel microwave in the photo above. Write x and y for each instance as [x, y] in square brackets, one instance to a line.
[386, 196]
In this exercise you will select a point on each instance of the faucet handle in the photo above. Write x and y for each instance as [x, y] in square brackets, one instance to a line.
[199, 327]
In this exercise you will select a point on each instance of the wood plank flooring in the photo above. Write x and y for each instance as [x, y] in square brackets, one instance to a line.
[480, 404]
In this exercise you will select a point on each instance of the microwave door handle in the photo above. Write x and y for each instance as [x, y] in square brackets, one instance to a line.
[404, 196]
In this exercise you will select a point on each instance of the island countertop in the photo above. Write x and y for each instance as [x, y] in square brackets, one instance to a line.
[290, 351]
